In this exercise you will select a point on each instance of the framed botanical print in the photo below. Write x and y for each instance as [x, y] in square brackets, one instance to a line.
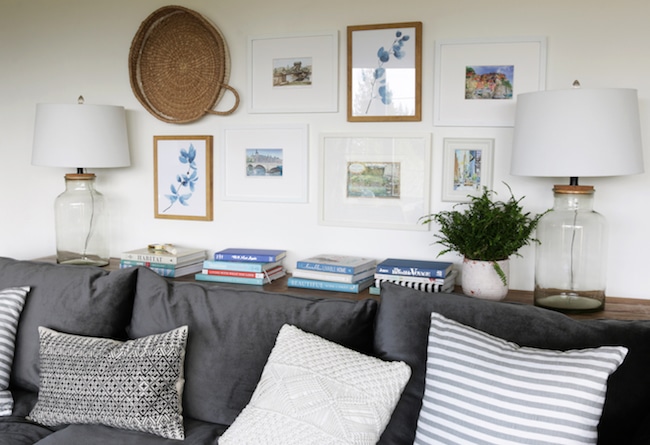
[183, 177]
[385, 72]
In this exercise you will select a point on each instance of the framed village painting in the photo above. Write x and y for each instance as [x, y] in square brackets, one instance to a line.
[375, 180]
[477, 81]
[295, 73]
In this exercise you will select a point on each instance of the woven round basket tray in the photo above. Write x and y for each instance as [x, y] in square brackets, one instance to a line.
[179, 66]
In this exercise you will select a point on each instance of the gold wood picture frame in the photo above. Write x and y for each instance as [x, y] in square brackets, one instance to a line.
[385, 72]
[183, 177]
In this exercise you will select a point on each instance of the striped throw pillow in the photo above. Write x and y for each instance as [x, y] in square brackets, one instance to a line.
[12, 301]
[481, 389]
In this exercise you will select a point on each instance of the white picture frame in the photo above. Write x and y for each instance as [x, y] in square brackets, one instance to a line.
[467, 167]
[239, 183]
[521, 59]
[402, 177]
[314, 90]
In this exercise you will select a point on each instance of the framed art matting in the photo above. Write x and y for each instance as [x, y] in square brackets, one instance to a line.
[374, 180]
[467, 168]
[385, 72]
[265, 163]
[295, 73]
[183, 177]
[477, 81]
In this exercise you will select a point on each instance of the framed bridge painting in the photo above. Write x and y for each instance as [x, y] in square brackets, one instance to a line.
[265, 163]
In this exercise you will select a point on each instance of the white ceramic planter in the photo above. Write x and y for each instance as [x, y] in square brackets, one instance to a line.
[479, 279]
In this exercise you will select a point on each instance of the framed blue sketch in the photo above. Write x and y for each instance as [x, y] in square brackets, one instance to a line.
[385, 72]
[183, 177]
[467, 168]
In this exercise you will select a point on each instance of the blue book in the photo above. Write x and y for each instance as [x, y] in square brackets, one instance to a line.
[345, 264]
[241, 266]
[250, 255]
[353, 288]
[238, 280]
[414, 268]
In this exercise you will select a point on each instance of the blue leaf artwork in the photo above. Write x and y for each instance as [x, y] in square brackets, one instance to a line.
[396, 50]
[183, 187]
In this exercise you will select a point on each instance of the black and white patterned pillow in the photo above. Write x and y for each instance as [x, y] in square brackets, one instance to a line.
[135, 385]
[12, 301]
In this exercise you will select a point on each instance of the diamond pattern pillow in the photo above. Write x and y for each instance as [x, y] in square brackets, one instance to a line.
[481, 389]
[313, 391]
[12, 301]
[135, 385]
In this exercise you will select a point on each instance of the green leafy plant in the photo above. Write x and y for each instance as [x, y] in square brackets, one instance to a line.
[487, 230]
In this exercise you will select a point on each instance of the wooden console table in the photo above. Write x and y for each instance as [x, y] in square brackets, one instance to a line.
[615, 308]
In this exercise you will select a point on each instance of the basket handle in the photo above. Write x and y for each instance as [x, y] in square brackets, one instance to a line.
[234, 107]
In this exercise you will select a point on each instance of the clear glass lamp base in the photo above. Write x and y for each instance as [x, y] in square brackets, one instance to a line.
[81, 260]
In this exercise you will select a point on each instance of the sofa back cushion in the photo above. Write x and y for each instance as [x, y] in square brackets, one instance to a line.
[76, 299]
[402, 333]
[232, 332]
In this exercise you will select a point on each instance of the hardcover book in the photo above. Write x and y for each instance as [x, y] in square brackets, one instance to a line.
[250, 255]
[344, 264]
[332, 276]
[165, 270]
[239, 280]
[353, 288]
[183, 255]
[450, 278]
[414, 268]
[240, 265]
[240, 273]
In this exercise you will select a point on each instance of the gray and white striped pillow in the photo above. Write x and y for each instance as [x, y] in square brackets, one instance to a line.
[12, 301]
[481, 389]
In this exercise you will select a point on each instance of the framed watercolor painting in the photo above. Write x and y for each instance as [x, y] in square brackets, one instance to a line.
[295, 73]
[385, 72]
[265, 163]
[467, 168]
[183, 177]
[374, 180]
[477, 81]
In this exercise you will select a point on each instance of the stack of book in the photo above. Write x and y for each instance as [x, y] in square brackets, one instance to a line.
[339, 273]
[243, 266]
[165, 259]
[426, 276]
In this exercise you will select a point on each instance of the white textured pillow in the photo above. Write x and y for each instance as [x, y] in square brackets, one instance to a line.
[481, 389]
[135, 385]
[313, 391]
[12, 301]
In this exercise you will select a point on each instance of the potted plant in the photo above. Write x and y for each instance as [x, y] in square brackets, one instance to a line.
[486, 233]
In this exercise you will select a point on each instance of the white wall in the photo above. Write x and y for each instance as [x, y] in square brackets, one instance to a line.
[54, 50]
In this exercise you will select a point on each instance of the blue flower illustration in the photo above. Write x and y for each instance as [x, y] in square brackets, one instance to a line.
[185, 181]
[379, 74]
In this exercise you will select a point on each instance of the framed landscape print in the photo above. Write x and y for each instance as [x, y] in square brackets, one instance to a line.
[385, 72]
[295, 73]
[266, 163]
[467, 168]
[477, 81]
[183, 177]
[374, 180]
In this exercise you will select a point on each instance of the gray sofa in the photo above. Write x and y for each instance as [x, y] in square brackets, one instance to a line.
[233, 330]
